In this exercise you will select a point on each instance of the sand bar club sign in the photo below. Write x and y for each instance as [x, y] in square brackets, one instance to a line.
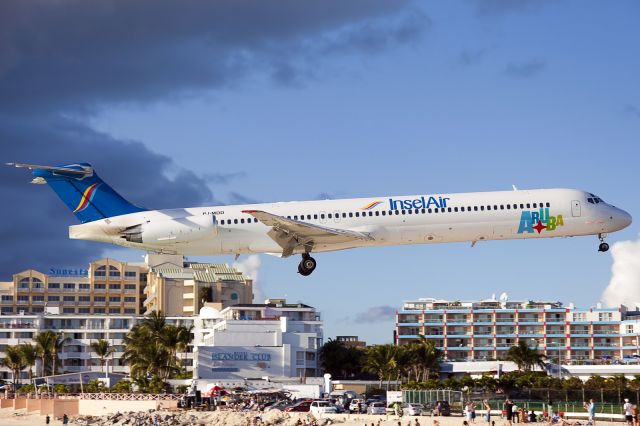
[225, 362]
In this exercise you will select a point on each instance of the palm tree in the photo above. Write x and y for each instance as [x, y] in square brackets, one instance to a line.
[44, 348]
[14, 361]
[154, 322]
[424, 358]
[57, 344]
[29, 357]
[103, 349]
[381, 360]
[524, 357]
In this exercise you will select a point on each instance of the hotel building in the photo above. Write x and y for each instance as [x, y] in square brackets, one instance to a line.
[79, 330]
[275, 339]
[486, 329]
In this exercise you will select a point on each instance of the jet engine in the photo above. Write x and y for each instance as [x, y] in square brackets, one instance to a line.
[172, 231]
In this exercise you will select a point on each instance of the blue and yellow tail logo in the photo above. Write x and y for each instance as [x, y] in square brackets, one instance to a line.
[87, 197]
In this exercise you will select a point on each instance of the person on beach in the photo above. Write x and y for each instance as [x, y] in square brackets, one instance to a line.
[591, 411]
[508, 411]
[627, 409]
[487, 407]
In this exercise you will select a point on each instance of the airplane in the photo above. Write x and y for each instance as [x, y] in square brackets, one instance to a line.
[304, 227]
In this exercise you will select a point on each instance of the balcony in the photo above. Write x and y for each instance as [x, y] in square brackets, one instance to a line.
[99, 290]
[130, 290]
[99, 303]
[7, 302]
[69, 290]
[37, 290]
[22, 302]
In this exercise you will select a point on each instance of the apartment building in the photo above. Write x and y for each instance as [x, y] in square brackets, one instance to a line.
[274, 339]
[486, 329]
[176, 287]
[80, 331]
[106, 287]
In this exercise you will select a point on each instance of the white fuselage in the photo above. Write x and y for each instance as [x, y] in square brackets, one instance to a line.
[415, 219]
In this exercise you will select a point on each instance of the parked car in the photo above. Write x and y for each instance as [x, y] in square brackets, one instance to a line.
[321, 406]
[377, 408]
[432, 407]
[412, 409]
[302, 407]
[279, 405]
[357, 406]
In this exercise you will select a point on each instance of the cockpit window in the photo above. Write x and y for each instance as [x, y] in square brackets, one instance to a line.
[594, 199]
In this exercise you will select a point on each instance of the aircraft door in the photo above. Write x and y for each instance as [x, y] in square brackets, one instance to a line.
[575, 208]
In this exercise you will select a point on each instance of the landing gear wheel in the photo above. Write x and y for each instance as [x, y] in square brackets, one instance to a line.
[603, 246]
[307, 265]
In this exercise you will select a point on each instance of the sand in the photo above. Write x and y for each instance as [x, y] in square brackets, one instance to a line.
[10, 417]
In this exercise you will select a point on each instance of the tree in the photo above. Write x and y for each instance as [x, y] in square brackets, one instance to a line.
[29, 355]
[103, 349]
[14, 361]
[381, 360]
[524, 357]
[424, 358]
[48, 345]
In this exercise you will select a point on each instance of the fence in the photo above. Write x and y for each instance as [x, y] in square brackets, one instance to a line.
[455, 398]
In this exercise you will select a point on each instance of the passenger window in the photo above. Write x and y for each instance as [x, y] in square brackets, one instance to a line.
[397, 212]
[409, 211]
[501, 206]
[235, 221]
[315, 216]
[378, 212]
[455, 209]
[548, 204]
[521, 206]
[429, 211]
[322, 216]
[241, 220]
[344, 215]
[404, 212]
[222, 222]
[488, 207]
[295, 217]
[255, 220]
[424, 211]
[384, 212]
[508, 206]
[528, 205]
[449, 209]
[350, 214]
[475, 208]
[535, 205]
[371, 213]
[482, 208]
[329, 216]
[462, 208]
[357, 214]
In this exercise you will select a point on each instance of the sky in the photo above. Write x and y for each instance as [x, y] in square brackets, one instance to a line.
[240, 101]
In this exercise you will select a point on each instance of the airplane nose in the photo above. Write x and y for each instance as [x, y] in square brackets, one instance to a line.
[624, 219]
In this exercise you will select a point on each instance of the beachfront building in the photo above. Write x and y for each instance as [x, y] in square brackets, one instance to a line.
[79, 331]
[271, 340]
[480, 330]
[176, 287]
[106, 287]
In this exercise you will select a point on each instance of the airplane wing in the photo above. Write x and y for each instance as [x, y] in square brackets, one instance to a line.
[290, 233]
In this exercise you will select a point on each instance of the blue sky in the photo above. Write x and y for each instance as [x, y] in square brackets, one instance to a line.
[458, 97]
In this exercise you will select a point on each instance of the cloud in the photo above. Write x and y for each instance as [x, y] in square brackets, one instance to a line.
[78, 55]
[376, 314]
[525, 69]
[250, 266]
[471, 57]
[34, 221]
[503, 7]
[632, 110]
[624, 287]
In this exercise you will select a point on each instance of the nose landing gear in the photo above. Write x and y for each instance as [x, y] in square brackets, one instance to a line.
[307, 265]
[603, 246]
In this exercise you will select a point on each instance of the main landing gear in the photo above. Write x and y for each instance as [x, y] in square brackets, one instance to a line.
[307, 265]
[603, 246]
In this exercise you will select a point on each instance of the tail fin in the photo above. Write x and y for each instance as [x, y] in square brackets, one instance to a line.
[80, 188]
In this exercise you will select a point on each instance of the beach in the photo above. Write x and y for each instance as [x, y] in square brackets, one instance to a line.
[233, 418]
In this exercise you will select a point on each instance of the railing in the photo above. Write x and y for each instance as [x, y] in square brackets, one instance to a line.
[99, 396]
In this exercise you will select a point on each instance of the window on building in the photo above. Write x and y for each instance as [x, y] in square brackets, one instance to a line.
[53, 286]
[85, 299]
[300, 358]
[114, 310]
[579, 316]
[115, 287]
[100, 286]
[629, 328]
[99, 299]
[23, 283]
[68, 310]
[69, 298]
[98, 310]
[129, 286]
[37, 299]
[114, 299]
[84, 310]
[234, 296]
[69, 286]
[53, 298]
[114, 272]
[129, 311]
[84, 286]
[100, 272]
[605, 316]
[129, 299]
